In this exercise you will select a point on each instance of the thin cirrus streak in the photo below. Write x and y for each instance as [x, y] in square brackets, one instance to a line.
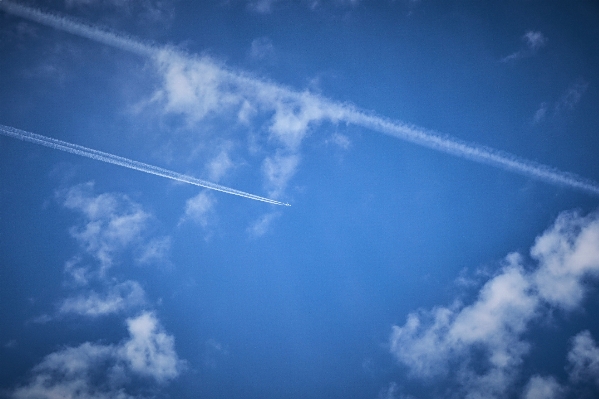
[125, 162]
[336, 112]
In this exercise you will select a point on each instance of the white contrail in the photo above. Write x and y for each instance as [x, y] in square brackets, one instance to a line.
[472, 151]
[332, 110]
[81, 29]
[127, 163]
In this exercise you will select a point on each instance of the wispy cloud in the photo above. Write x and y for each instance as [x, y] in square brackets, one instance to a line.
[112, 222]
[261, 226]
[262, 49]
[571, 96]
[566, 103]
[155, 251]
[97, 371]
[481, 346]
[119, 297]
[220, 165]
[533, 41]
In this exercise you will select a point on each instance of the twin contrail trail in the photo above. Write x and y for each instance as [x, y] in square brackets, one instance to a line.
[125, 162]
[345, 113]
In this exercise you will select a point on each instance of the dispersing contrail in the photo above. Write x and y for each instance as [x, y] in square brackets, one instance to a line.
[334, 111]
[111, 39]
[127, 163]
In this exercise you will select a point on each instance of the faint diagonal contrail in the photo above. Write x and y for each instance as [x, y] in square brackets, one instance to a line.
[333, 110]
[127, 163]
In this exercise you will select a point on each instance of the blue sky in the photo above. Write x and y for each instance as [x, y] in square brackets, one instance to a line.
[440, 163]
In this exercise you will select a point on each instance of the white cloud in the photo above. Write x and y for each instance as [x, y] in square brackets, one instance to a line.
[543, 388]
[583, 358]
[194, 87]
[150, 351]
[112, 222]
[94, 371]
[567, 252]
[69, 373]
[198, 208]
[481, 345]
[118, 298]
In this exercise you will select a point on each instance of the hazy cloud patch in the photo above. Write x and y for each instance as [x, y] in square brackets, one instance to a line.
[533, 41]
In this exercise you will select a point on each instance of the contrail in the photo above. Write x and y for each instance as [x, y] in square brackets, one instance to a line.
[127, 163]
[81, 29]
[332, 110]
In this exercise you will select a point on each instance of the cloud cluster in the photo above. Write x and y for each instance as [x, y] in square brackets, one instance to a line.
[110, 224]
[95, 371]
[198, 88]
[480, 346]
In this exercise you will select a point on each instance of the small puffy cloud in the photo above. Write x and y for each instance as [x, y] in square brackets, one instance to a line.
[543, 388]
[195, 87]
[481, 346]
[150, 351]
[567, 253]
[583, 359]
[534, 40]
[118, 298]
[198, 208]
[94, 371]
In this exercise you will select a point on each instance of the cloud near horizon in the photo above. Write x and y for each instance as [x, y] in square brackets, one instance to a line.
[480, 347]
